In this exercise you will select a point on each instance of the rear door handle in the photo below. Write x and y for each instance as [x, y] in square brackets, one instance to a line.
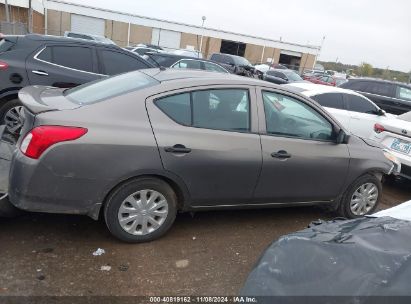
[177, 149]
[282, 154]
[41, 73]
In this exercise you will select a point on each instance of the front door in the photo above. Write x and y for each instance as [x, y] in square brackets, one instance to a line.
[208, 137]
[301, 161]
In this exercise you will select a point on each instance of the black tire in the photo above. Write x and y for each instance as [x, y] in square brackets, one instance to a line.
[344, 207]
[116, 199]
[6, 107]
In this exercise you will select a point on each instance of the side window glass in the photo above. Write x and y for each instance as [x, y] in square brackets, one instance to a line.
[359, 104]
[213, 67]
[177, 107]
[189, 64]
[403, 93]
[220, 109]
[287, 116]
[379, 88]
[330, 100]
[45, 54]
[79, 58]
[116, 63]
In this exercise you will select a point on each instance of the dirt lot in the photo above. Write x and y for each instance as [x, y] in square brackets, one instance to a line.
[210, 253]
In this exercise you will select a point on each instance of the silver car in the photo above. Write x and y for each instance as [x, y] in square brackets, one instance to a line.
[139, 147]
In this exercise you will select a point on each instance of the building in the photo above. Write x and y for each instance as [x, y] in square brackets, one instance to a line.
[54, 17]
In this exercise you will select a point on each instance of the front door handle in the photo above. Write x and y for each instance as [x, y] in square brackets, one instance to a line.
[282, 154]
[177, 149]
[41, 73]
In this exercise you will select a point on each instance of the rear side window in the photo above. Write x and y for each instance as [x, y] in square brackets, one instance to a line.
[379, 88]
[354, 85]
[188, 64]
[5, 45]
[105, 88]
[330, 100]
[403, 93]
[117, 63]
[359, 104]
[214, 67]
[221, 109]
[74, 57]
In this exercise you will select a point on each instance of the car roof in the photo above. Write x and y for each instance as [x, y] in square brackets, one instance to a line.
[170, 74]
[311, 89]
[60, 39]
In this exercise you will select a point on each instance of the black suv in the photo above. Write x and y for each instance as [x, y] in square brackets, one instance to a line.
[183, 62]
[235, 64]
[393, 97]
[54, 61]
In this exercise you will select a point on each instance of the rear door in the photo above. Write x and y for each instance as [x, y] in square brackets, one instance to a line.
[363, 115]
[403, 94]
[62, 66]
[301, 161]
[208, 137]
[334, 104]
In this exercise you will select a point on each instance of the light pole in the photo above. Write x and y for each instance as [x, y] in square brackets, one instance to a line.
[6, 6]
[202, 33]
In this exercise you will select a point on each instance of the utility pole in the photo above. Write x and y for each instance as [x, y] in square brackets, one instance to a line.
[30, 18]
[6, 6]
[202, 33]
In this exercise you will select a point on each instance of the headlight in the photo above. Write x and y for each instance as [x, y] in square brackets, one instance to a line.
[396, 163]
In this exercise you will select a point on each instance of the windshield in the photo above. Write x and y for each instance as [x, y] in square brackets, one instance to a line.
[102, 89]
[405, 116]
[292, 76]
[241, 61]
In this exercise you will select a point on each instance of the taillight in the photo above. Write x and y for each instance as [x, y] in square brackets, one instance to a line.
[378, 128]
[3, 65]
[41, 138]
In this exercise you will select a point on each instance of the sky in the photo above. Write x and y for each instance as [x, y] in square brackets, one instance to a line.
[373, 31]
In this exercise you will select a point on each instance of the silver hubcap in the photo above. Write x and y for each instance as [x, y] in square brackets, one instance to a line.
[13, 119]
[364, 199]
[143, 212]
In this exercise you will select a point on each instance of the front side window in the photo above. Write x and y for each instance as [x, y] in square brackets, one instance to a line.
[330, 100]
[213, 67]
[188, 64]
[379, 88]
[403, 93]
[289, 117]
[74, 57]
[219, 109]
[360, 104]
[117, 63]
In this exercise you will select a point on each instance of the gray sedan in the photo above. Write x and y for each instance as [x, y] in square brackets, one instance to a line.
[139, 147]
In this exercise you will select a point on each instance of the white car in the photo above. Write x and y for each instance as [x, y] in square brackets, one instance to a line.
[395, 134]
[354, 111]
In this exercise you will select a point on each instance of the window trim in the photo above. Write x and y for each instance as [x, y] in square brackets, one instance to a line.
[35, 57]
[265, 132]
[249, 130]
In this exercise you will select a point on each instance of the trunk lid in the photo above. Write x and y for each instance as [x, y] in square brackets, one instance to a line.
[397, 126]
[38, 99]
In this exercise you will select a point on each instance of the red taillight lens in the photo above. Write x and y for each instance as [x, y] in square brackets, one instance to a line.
[3, 65]
[378, 128]
[41, 138]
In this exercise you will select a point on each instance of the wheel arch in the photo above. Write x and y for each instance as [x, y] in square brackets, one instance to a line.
[178, 186]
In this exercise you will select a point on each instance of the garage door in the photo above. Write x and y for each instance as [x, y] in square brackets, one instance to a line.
[87, 25]
[166, 39]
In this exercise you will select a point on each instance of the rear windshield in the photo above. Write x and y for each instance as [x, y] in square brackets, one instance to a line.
[405, 116]
[105, 88]
[5, 45]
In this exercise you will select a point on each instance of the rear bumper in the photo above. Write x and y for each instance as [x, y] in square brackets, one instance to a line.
[35, 187]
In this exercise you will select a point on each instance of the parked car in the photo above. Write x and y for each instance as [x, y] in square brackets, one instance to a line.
[235, 64]
[264, 67]
[321, 79]
[140, 146]
[188, 53]
[282, 76]
[354, 111]
[395, 135]
[95, 38]
[54, 61]
[183, 62]
[393, 97]
[141, 50]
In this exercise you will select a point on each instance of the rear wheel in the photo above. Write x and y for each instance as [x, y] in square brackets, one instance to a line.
[362, 197]
[141, 210]
[11, 116]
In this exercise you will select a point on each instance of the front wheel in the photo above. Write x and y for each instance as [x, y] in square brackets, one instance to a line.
[11, 116]
[361, 198]
[141, 210]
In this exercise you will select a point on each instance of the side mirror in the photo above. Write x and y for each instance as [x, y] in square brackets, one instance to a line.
[342, 137]
[381, 112]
